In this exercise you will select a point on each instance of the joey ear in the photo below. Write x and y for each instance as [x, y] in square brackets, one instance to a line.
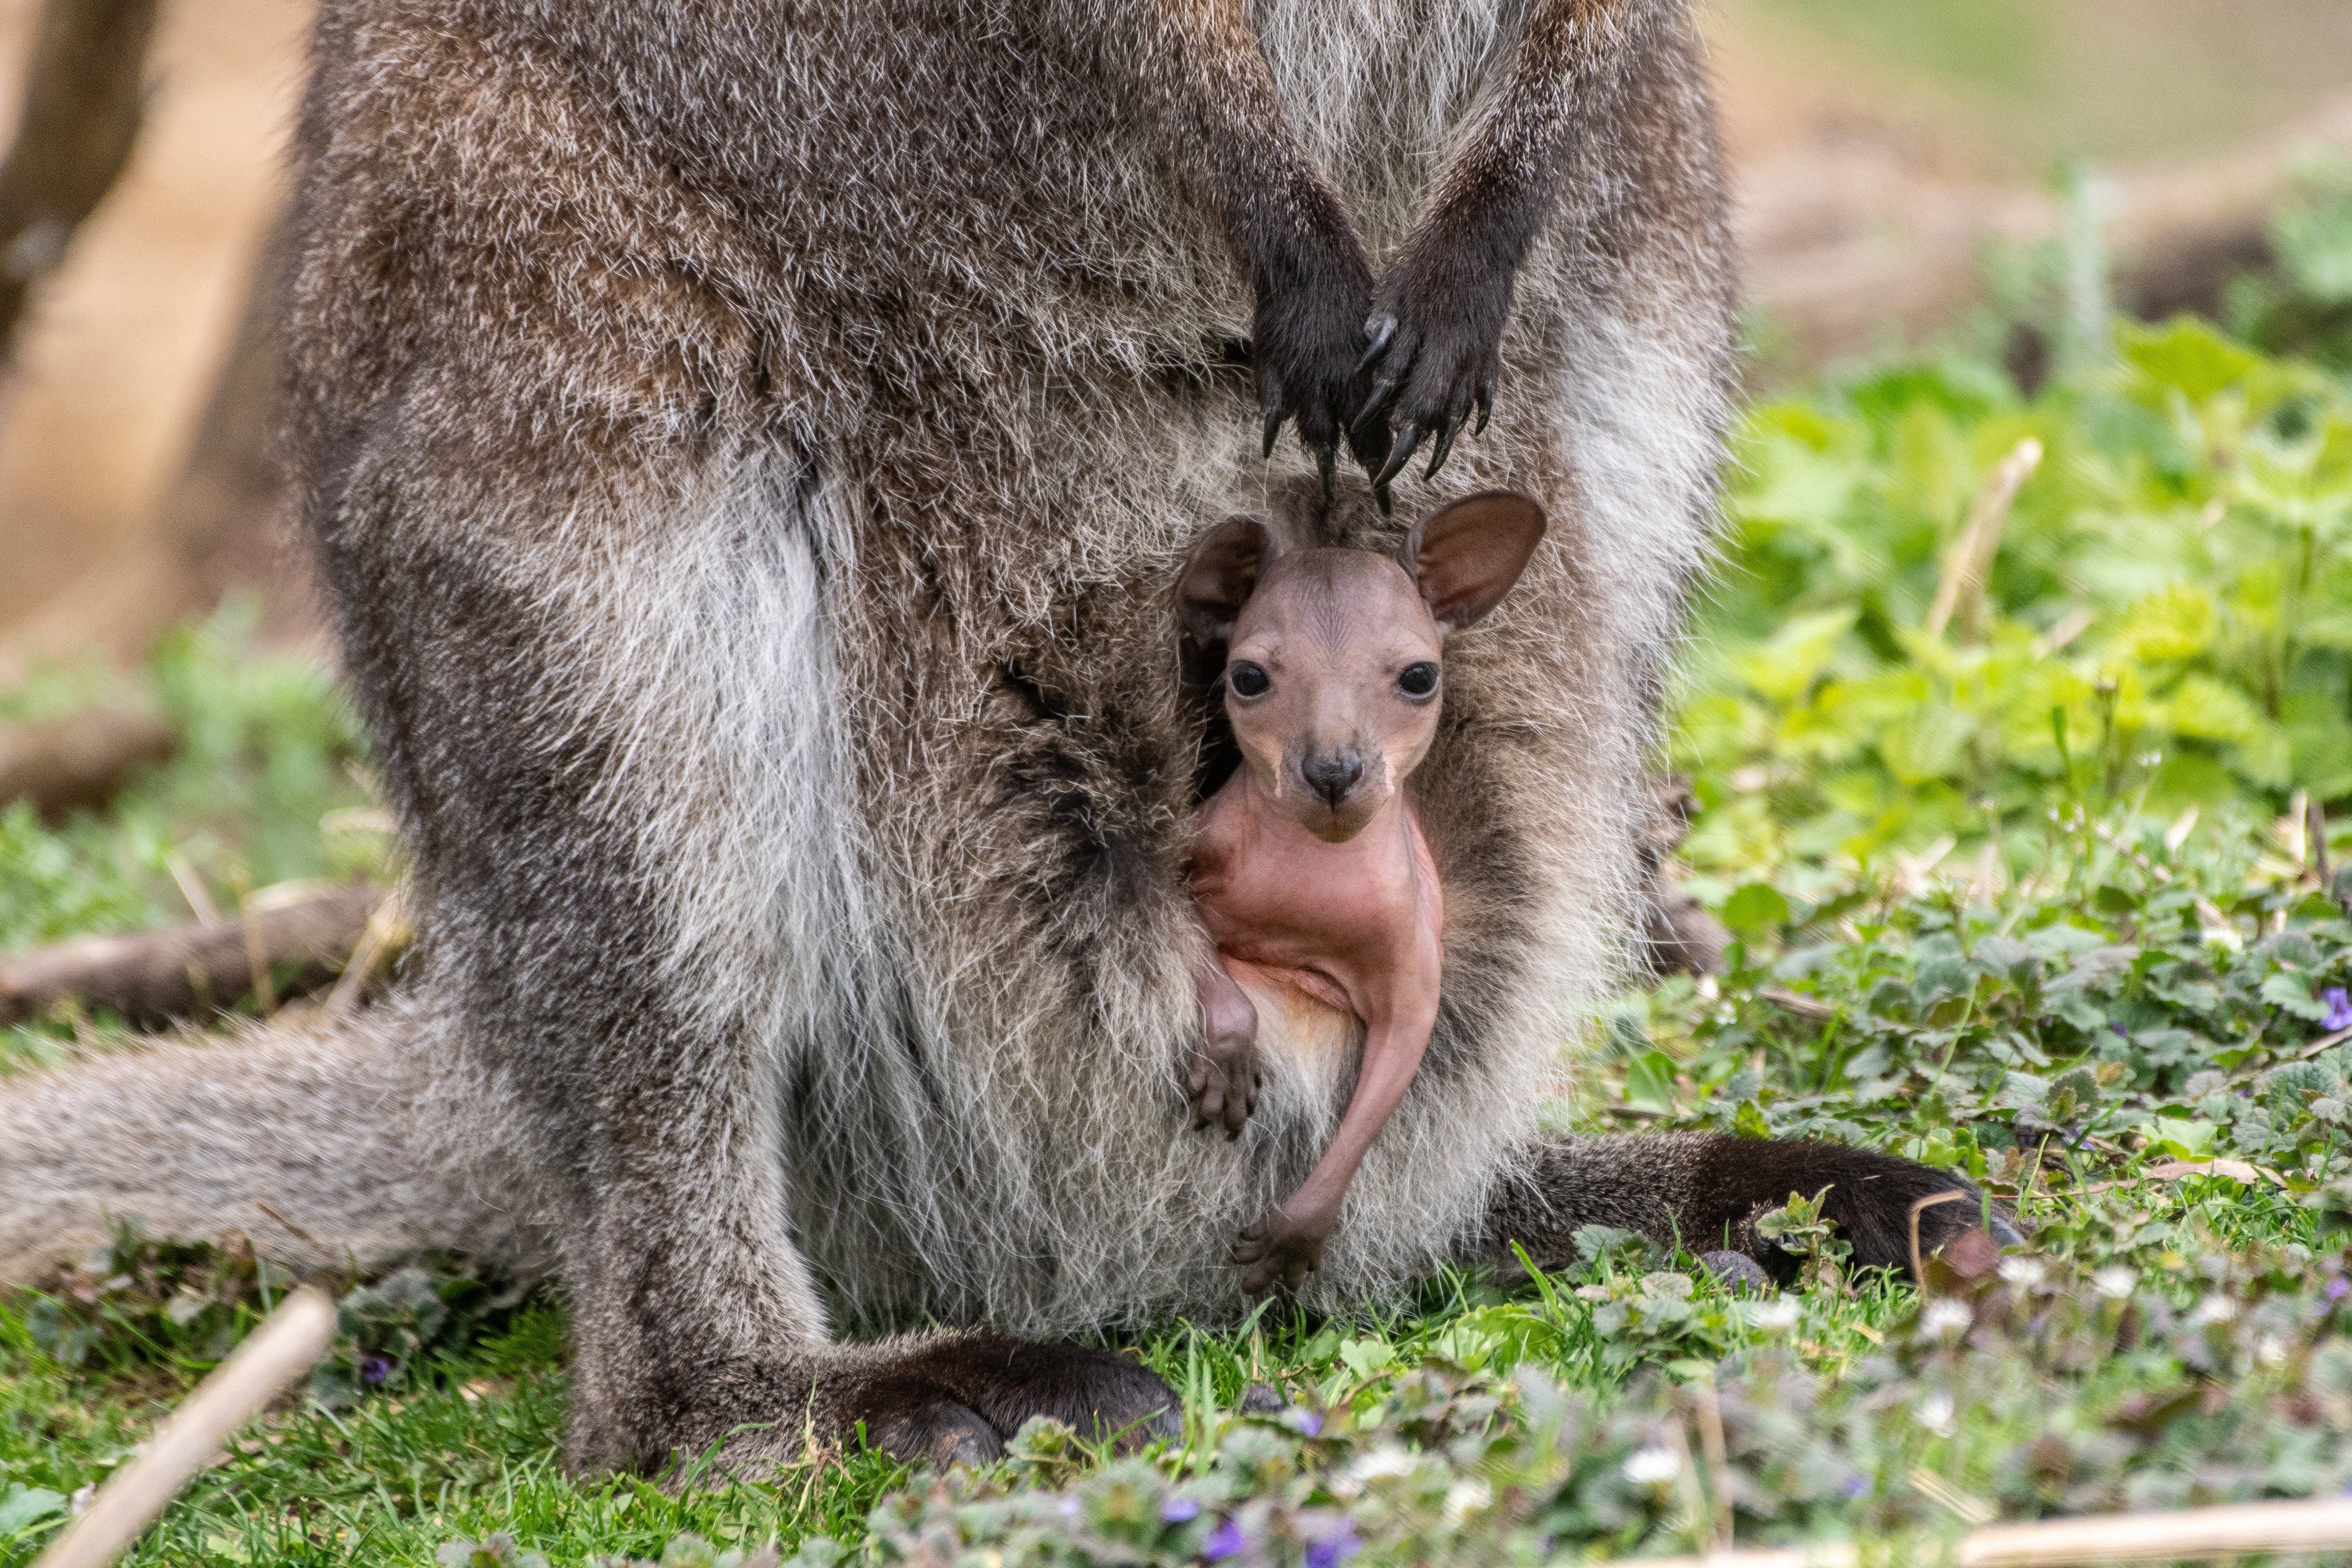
[1220, 577]
[1463, 557]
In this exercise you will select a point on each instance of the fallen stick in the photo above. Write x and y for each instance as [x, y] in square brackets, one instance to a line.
[82, 761]
[296, 1334]
[152, 978]
[2192, 1533]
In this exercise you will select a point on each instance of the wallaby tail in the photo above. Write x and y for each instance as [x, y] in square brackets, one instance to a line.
[323, 1145]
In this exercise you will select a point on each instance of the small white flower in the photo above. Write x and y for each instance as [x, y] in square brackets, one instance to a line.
[1382, 1464]
[2272, 1352]
[1071, 1508]
[2023, 1272]
[1777, 1315]
[80, 1504]
[2216, 1308]
[1943, 1317]
[1938, 1414]
[1463, 1499]
[2115, 1282]
[2225, 938]
[1653, 1467]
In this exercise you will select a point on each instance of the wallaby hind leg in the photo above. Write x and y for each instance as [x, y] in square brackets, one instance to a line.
[1705, 1191]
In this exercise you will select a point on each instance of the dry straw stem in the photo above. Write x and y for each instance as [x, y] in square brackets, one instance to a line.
[1961, 593]
[2196, 1534]
[296, 1334]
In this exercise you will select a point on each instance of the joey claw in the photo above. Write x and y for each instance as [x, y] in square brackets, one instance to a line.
[1407, 440]
[1384, 499]
[1326, 464]
[1382, 329]
[1272, 429]
[1375, 402]
[1486, 406]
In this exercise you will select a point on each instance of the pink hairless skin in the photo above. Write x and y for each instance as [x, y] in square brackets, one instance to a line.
[1309, 864]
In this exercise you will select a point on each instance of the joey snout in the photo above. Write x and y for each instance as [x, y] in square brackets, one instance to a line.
[1334, 789]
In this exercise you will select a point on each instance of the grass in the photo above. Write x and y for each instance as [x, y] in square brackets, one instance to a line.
[2045, 910]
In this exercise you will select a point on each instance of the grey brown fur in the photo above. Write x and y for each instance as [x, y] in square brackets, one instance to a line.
[751, 455]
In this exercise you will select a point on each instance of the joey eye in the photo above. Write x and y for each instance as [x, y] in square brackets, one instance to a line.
[1418, 680]
[1245, 679]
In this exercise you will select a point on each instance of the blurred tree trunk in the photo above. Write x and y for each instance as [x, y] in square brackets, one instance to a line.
[83, 101]
[218, 528]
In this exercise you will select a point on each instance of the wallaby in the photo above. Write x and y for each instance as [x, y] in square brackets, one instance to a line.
[1310, 867]
[749, 458]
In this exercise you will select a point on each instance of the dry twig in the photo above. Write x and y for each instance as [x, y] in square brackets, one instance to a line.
[296, 1334]
[2193, 1535]
[152, 978]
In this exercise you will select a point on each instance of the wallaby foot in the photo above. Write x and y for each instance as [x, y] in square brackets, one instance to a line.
[1282, 1245]
[938, 1399]
[1222, 1080]
[1705, 1191]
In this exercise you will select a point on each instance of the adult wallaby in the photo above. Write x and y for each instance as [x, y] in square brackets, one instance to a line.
[1313, 878]
[750, 454]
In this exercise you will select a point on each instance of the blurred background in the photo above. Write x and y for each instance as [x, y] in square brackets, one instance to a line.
[1882, 150]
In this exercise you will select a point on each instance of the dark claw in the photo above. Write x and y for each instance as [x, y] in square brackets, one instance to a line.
[1273, 428]
[1383, 332]
[1446, 430]
[1387, 501]
[1407, 439]
[1327, 462]
[1382, 390]
[1485, 399]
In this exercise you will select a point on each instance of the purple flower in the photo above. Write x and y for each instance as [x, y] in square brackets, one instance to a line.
[1333, 1550]
[1177, 1510]
[1308, 1422]
[2338, 1288]
[374, 1369]
[2121, 1033]
[1854, 1486]
[2339, 1007]
[1226, 1540]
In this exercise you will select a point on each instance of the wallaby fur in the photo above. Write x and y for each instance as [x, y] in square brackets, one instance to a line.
[750, 453]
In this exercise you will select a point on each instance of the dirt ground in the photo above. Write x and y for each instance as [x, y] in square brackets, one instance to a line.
[97, 411]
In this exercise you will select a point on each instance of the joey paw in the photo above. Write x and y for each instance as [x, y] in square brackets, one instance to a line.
[1222, 1080]
[1223, 1090]
[1282, 1245]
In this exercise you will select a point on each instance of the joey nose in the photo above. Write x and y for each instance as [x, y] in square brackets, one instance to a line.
[1333, 777]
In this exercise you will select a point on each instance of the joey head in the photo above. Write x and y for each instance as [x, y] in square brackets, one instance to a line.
[1309, 865]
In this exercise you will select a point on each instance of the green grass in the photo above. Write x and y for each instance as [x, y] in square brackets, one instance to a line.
[2049, 915]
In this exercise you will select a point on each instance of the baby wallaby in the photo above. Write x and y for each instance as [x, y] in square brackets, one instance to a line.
[1309, 865]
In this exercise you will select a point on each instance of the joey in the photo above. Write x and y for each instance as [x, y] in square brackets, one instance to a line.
[1310, 867]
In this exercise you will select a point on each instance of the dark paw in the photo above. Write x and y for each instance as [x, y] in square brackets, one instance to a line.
[1435, 354]
[1736, 1272]
[1281, 1247]
[957, 1397]
[941, 1432]
[1305, 341]
[1873, 1199]
[1262, 1399]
